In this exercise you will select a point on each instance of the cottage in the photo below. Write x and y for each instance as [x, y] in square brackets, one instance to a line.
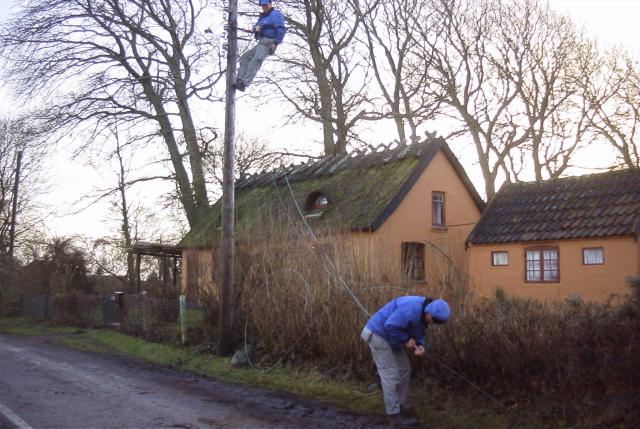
[576, 236]
[406, 203]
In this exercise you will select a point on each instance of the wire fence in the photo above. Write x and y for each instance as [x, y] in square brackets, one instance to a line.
[157, 318]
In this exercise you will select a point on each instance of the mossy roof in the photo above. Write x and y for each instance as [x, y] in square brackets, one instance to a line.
[590, 206]
[363, 189]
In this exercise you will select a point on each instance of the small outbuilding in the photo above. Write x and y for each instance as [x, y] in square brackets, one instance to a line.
[569, 237]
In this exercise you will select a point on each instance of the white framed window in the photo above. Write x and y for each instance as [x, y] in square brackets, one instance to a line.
[500, 258]
[593, 256]
[437, 209]
[542, 265]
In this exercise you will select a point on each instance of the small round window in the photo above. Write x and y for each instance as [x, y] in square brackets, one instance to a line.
[316, 202]
[321, 202]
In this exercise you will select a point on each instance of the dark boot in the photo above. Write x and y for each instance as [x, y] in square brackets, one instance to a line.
[402, 420]
[407, 411]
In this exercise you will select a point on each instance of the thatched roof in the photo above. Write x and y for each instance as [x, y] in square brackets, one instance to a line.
[363, 189]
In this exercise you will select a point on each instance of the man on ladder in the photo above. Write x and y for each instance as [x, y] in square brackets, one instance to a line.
[269, 31]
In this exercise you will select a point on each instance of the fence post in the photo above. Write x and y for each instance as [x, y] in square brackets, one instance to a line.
[183, 318]
[144, 311]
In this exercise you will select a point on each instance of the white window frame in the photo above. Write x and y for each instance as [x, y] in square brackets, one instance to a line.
[599, 260]
[495, 262]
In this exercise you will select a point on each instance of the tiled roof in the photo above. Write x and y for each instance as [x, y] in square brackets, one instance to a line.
[597, 205]
[363, 189]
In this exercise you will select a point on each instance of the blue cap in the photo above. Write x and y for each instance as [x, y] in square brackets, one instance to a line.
[439, 310]
[263, 2]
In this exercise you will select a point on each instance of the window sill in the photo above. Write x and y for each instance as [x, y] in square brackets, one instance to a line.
[554, 282]
[439, 228]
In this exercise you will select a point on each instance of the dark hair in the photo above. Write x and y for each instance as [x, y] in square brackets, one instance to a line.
[437, 320]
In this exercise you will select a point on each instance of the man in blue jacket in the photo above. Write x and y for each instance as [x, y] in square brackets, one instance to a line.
[269, 30]
[401, 324]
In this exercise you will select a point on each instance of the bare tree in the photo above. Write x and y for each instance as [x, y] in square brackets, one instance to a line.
[141, 63]
[547, 59]
[510, 75]
[324, 76]
[458, 41]
[614, 93]
[122, 206]
[17, 135]
[252, 156]
[392, 40]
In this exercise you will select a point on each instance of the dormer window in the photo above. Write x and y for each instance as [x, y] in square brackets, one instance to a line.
[316, 204]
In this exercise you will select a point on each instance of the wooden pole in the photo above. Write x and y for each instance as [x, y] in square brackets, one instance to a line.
[14, 210]
[227, 244]
[138, 261]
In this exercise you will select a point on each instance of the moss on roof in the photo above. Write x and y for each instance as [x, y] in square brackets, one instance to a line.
[589, 206]
[362, 190]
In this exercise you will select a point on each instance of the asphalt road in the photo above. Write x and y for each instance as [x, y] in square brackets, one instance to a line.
[48, 386]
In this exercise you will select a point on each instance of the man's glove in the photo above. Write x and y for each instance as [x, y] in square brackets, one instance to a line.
[256, 31]
[272, 48]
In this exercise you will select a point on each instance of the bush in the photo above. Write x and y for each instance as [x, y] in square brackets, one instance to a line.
[302, 300]
[77, 310]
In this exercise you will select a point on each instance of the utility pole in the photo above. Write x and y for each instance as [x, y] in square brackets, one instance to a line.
[227, 304]
[12, 230]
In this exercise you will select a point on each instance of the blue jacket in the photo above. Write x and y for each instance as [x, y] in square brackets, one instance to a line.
[399, 320]
[271, 25]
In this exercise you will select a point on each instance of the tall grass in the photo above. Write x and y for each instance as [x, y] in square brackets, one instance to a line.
[297, 295]
[311, 294]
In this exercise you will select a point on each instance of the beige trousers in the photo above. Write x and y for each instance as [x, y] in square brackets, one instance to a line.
[394, 370]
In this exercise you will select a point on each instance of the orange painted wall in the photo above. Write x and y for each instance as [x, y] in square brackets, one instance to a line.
[590, 282]
[197, 273]
[638, 254]
[411, 221]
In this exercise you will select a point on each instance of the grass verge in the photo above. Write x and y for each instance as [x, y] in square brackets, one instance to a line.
[29, 328]
[432, 405]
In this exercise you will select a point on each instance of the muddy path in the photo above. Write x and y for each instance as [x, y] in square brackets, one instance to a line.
[54, 387]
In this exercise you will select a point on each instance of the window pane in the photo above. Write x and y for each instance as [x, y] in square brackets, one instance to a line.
[500, 258]
[593, 256]
[437, 208]
[551, 275]
[542, 265]
[533, 255]
[413, 261]
[321, 202]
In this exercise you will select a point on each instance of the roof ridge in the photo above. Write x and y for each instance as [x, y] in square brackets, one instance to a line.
[628, 170]
[369, 156]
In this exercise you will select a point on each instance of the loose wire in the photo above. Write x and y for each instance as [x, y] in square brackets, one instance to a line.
[333, 271]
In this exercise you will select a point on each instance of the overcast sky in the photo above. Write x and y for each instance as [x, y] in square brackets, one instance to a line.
[612, 21]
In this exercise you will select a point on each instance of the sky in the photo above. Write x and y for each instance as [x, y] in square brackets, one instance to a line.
[611, 21]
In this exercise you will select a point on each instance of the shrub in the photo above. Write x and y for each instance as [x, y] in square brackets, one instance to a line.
[76, 310]
[301, 296]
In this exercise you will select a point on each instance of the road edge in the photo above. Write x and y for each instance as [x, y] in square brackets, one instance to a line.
[13, 418]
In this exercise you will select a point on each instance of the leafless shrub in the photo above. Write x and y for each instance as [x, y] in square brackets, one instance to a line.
[297, 295]
[309, 295]
[76, 310]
